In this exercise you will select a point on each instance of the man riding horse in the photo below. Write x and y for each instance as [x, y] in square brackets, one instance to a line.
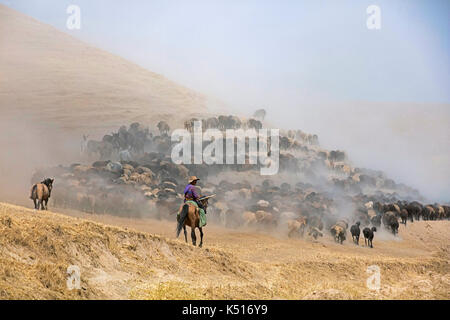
[193, 212]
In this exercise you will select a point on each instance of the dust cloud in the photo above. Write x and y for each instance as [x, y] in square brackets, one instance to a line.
[409, 142]
[28, 145]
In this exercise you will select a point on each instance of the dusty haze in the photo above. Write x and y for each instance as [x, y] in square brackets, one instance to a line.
[55, 88]
[408, 141]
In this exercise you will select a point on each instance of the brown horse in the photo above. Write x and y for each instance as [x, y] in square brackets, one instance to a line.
[189, 215]
[40, 193]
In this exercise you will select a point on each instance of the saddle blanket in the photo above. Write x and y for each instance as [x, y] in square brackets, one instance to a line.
[202, 222]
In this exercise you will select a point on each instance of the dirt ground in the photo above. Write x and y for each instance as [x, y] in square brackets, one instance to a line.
[124, 258]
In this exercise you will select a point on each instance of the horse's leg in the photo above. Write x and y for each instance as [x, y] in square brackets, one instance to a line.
[194, 238]
[35, 204]
[201, 237]
[185, 233]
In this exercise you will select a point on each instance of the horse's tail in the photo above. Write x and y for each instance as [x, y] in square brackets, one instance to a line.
[182, 218]
[33, 192]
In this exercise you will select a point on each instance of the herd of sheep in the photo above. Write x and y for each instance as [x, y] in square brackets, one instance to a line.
[315, 189]
[374, 214]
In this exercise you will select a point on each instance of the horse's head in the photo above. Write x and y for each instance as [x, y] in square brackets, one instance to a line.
[204, 203]
[49, 183]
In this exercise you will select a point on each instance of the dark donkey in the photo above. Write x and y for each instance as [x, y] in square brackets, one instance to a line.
[189, 215]
[40, 193]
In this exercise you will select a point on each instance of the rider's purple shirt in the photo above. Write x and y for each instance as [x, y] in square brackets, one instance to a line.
[190, 192]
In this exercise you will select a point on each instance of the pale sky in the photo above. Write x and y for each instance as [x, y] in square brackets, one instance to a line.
[317, 49]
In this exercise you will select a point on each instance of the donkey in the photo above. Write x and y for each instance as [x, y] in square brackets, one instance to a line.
[40, 193]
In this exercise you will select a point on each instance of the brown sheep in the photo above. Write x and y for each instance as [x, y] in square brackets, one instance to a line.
[440, 212]
[390, 221]
[249, 218]
[428, 213]
[264, 217]
[338, 232]
[297, 226]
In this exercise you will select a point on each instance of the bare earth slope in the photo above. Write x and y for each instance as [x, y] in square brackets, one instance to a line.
[49, 76]
[118, 262]
[55, 88]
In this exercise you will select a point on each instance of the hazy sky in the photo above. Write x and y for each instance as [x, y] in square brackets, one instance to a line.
[294, 58]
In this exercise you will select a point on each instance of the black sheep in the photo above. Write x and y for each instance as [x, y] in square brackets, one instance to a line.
[394, 227]
[368, 235]
[376, 221]
[404, 216]
[355, 232]
[390, 221]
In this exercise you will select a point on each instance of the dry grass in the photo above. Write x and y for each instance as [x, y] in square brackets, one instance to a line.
[121, 263]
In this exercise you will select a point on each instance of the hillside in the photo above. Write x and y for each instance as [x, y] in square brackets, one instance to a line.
[55, 88]
[120, 262]
[55, 78]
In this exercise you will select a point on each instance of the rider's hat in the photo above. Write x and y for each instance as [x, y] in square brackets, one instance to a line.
[193, 178]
